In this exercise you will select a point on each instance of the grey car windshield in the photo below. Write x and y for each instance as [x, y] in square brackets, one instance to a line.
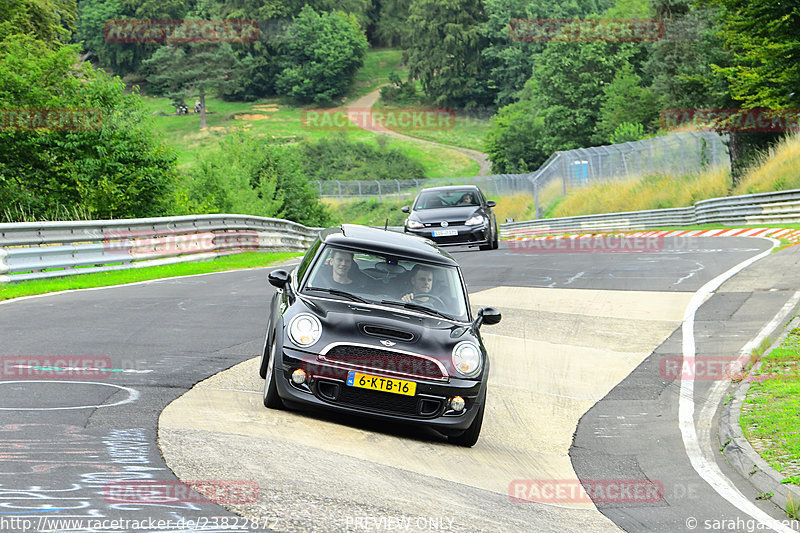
[440, 199]
[393, 282]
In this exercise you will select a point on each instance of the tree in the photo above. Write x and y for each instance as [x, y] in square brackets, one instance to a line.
[511, 58]
[322, 54]
[626, 101]
[680, 64]
[122, 58]
[73, 136]
[444, 52]
[513, 141]
[194, 69]
[764, 39]
[48, 21]
[390, 27]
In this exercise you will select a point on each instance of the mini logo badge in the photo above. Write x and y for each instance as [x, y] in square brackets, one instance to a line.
[388, 343]
[444, 224]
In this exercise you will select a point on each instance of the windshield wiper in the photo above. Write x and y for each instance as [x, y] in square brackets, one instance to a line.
[417, 307]
[337, 292]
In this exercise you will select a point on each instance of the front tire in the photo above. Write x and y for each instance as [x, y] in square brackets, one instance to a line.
[271, 398]
[262, 368]
[470, 436]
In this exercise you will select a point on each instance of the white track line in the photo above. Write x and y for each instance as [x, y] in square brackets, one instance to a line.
[706, 467]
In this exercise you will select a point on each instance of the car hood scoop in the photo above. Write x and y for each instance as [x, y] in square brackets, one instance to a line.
[387, 332]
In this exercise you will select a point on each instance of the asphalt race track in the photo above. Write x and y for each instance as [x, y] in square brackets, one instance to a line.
[578, 392]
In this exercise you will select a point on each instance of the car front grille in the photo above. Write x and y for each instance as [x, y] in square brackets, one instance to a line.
[377, 400]
[385, 361]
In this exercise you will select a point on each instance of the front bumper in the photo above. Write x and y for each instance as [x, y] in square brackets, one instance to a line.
[326, 388]
[467, 235]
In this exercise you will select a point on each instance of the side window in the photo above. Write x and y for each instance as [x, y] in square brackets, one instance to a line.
[307, 259]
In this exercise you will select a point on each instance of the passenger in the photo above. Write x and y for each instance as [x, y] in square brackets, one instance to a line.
[345, 274]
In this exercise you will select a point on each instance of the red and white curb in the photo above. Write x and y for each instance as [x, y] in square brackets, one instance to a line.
[791, 235]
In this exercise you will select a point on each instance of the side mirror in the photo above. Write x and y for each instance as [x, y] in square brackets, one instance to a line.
[278, 278]
[405, 209]
[488, 316]
[491, 203]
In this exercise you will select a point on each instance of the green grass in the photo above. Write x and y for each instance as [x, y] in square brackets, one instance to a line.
[769, 416]
[466, 130]
[375, 72]
[119, 277]
[272, 118]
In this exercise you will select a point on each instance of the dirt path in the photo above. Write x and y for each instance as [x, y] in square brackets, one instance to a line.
[357, 108]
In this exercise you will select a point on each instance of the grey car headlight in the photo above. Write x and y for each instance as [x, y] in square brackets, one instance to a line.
[305, 329]
[414, 224]
[467, 359]
[475, 220]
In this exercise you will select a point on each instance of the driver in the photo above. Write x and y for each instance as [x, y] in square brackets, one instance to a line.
[466, 199]
[421, 284]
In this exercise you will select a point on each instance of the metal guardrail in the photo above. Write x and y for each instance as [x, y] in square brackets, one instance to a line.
[762, 208]
[33, 250]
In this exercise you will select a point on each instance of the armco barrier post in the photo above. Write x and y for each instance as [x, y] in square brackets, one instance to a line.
[3, 265]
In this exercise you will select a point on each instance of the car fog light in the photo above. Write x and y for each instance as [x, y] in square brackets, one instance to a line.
[457, 403]
[299, 376]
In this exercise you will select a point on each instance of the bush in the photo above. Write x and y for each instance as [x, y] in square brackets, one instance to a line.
[338, 158]
[251, 176]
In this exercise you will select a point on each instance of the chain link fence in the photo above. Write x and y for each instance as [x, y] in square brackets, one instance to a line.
[673, 155]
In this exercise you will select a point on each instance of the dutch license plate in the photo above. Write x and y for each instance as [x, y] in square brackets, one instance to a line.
[397, 386]
[445, 232]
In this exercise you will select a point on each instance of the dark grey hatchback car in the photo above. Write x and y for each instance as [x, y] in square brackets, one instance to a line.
[378, 323]
[454, 216]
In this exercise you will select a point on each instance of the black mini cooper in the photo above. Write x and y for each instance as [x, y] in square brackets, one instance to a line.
[378, 323]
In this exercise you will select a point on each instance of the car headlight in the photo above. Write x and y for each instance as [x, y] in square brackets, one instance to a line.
[474, 220]
[467, 359]
[305, 329]
[414, 224]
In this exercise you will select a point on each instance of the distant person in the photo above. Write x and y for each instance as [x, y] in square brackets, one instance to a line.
[197, 107]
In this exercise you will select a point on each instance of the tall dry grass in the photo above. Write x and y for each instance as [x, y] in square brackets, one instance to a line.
[778, 170]
[650, 192]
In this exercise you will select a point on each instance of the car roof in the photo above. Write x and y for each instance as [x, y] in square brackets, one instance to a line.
[364, 238]
[446, 188]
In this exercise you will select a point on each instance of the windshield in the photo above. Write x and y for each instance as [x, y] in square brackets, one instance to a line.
[440, 199]
[378, 279]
